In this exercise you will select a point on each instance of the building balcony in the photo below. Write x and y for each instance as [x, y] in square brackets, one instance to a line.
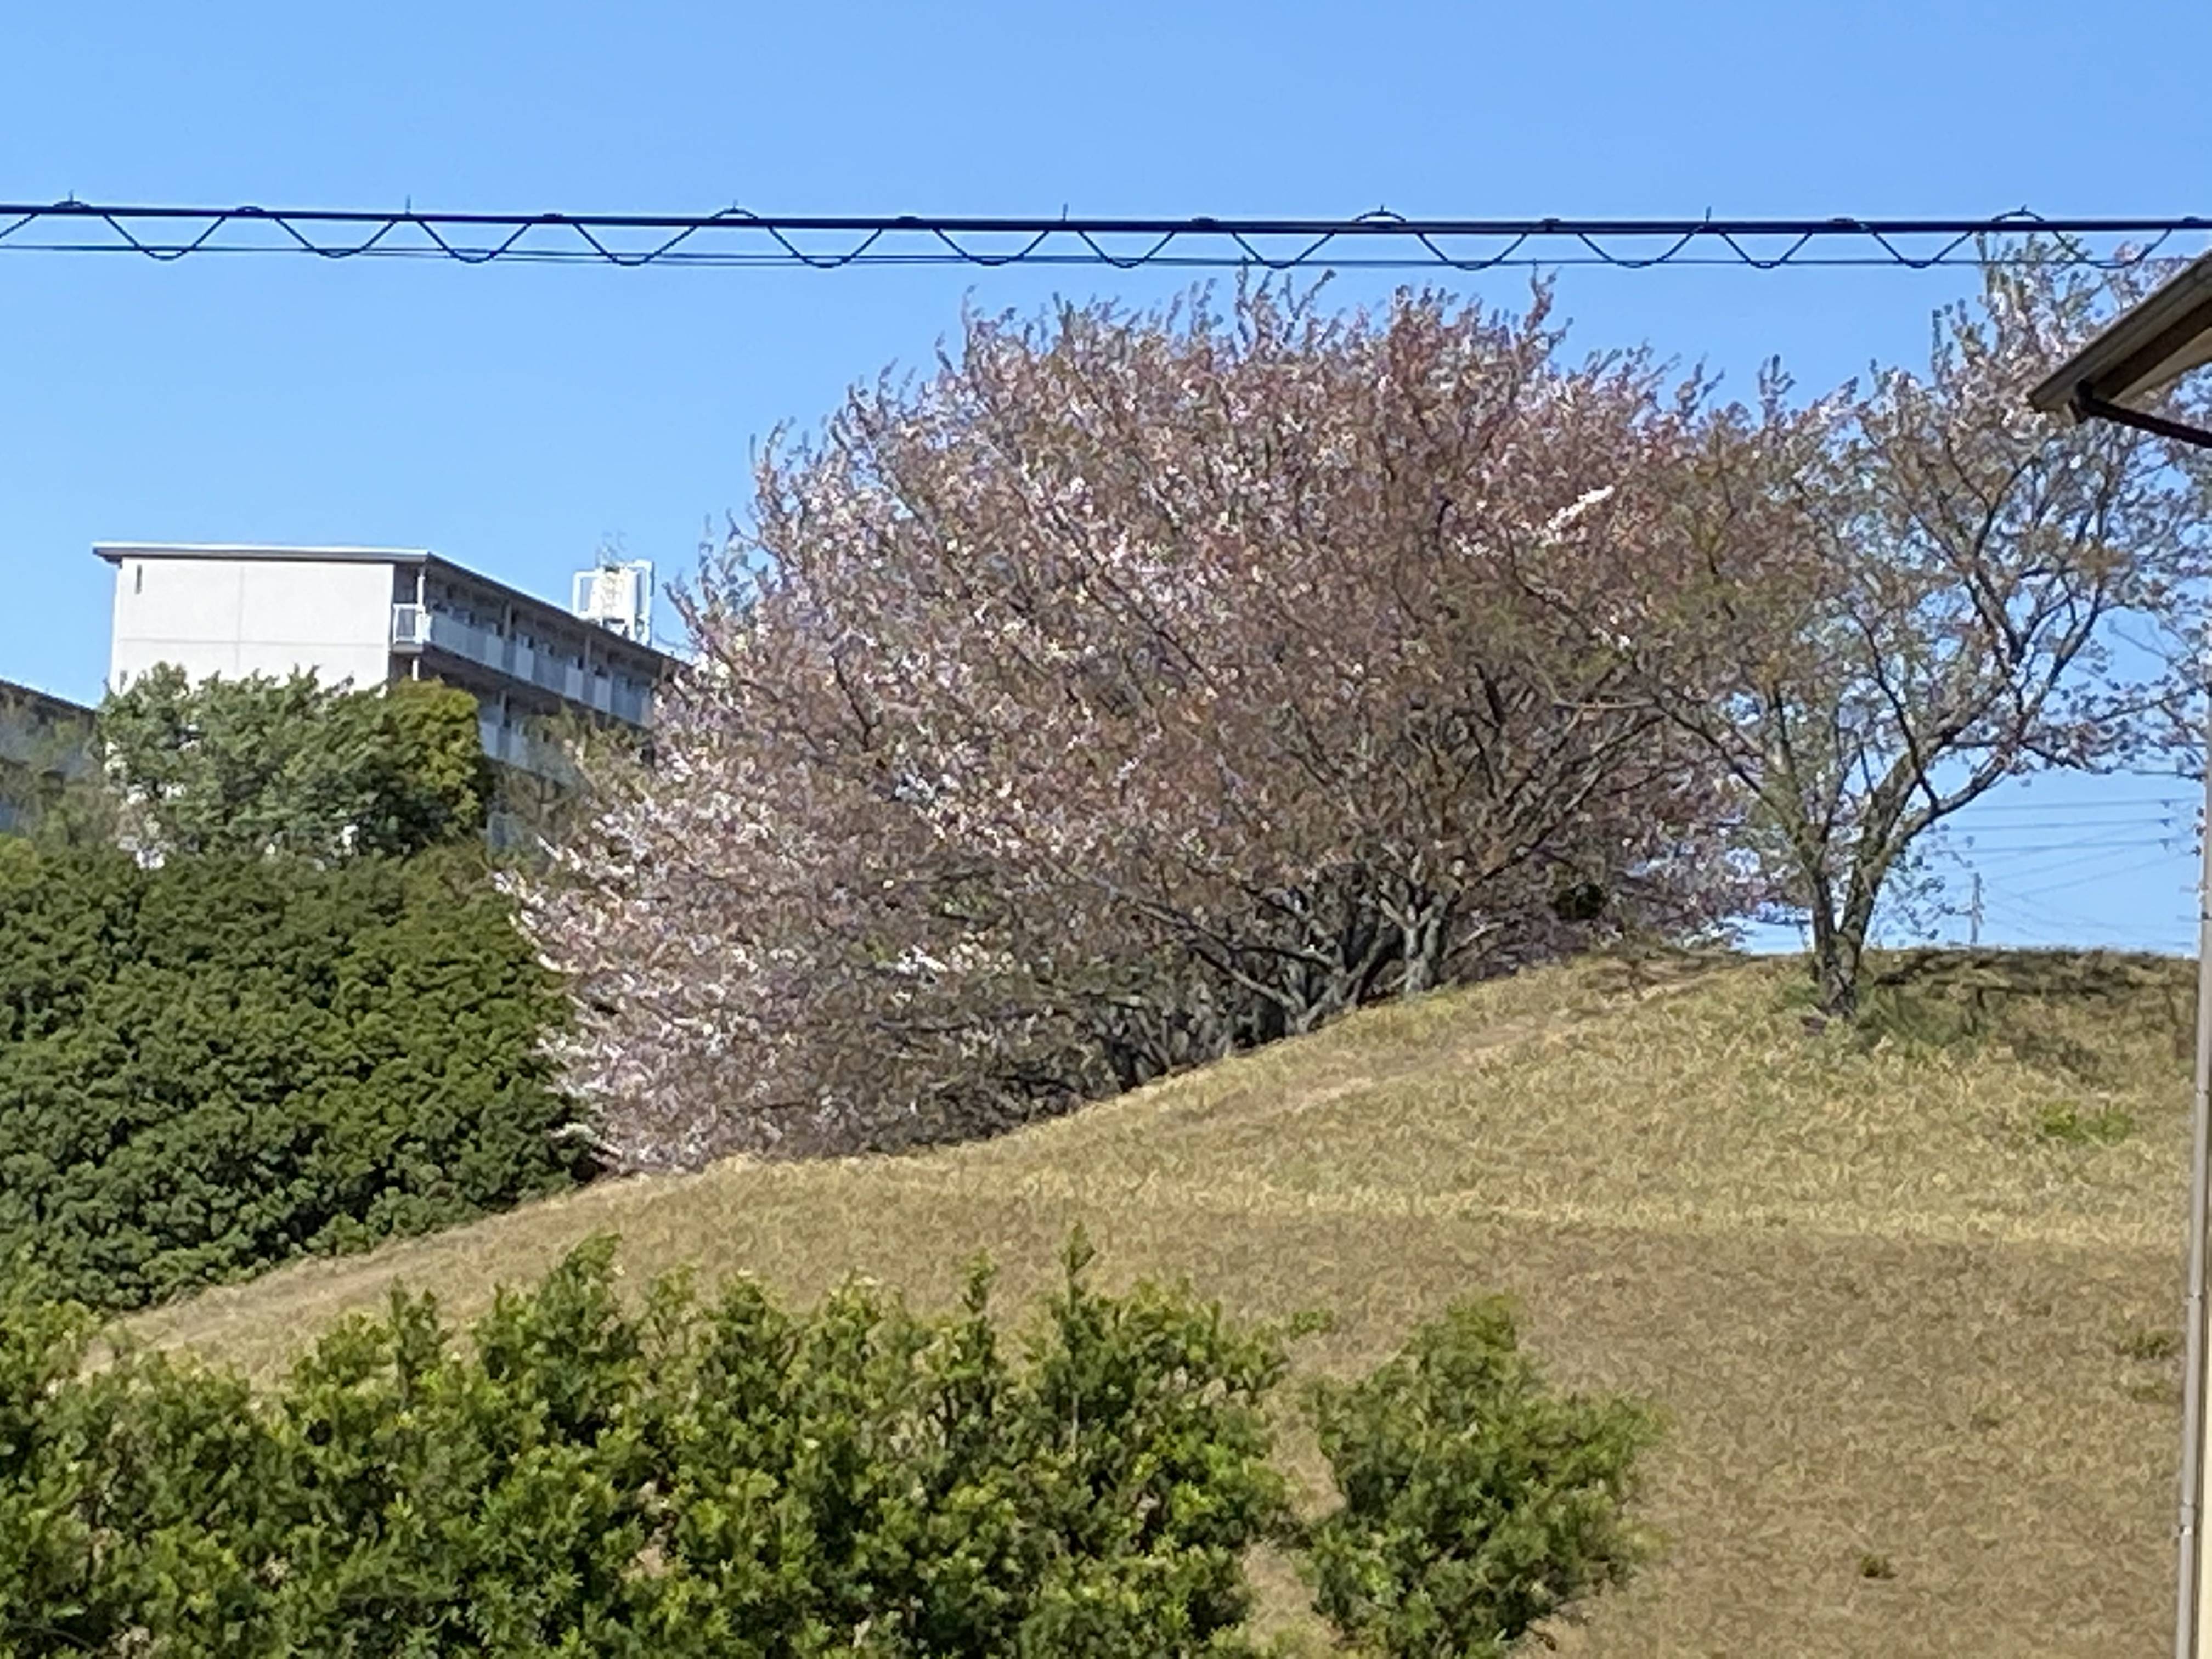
[418, 626]
[510, 745]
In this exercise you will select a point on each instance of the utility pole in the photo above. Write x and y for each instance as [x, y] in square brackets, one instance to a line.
[2191, 1639]
[1974, 914]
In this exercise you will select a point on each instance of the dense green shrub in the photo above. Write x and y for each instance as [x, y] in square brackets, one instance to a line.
[1476, 1502]
[688, 1479]
[224, 1062]
[680, 1477]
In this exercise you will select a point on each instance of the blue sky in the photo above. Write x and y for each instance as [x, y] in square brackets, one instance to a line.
[515, 417]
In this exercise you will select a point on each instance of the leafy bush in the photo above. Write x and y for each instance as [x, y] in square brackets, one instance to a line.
[1476, 1503]
[224, 1062]
[680, 1477]
[686, 1480]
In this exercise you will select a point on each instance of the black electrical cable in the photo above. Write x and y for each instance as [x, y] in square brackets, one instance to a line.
[1374, 240]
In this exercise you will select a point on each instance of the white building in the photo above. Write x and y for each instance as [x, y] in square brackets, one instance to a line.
[371, 614]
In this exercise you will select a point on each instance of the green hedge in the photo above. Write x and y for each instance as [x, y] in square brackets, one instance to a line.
[675, 1477]
[726, 1480]
[224, 1062]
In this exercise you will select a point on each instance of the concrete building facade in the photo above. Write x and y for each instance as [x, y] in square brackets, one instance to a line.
[45, 741]
[372, 614]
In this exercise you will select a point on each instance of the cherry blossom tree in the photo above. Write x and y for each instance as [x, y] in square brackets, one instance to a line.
[1134, 688]
[1873, 607]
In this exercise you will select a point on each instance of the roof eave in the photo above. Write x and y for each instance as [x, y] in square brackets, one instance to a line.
[2145, 348]
[115, 552]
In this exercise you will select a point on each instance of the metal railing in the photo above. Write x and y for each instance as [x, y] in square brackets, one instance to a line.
[511, 745]
[420, 625]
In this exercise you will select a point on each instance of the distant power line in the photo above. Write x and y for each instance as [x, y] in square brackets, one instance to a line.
[1380, 241]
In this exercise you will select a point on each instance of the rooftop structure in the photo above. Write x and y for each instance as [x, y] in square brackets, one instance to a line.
[372, 614]
[2139, 354]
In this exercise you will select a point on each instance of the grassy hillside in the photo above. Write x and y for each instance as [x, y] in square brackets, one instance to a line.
[1910, 1293]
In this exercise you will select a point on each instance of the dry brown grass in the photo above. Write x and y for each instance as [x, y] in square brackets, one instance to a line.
[1909, 1295]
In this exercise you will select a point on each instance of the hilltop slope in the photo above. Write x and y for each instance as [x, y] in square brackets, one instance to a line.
[1910, 1294]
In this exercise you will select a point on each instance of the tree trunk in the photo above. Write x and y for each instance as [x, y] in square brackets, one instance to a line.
[1838, 974]
[1838, 952]
[1424, 937]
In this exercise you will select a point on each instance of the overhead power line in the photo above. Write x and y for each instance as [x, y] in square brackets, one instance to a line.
[1381, 240]
[2154, 808]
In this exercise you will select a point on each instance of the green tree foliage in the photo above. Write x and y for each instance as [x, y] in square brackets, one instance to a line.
[229, 1060]
[729, 1479]
[1477, 1502]
[259, 765]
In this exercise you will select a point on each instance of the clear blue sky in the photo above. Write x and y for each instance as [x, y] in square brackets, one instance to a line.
[514, 417]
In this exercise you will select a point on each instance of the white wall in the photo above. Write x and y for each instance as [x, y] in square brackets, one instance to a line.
[240, 616]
